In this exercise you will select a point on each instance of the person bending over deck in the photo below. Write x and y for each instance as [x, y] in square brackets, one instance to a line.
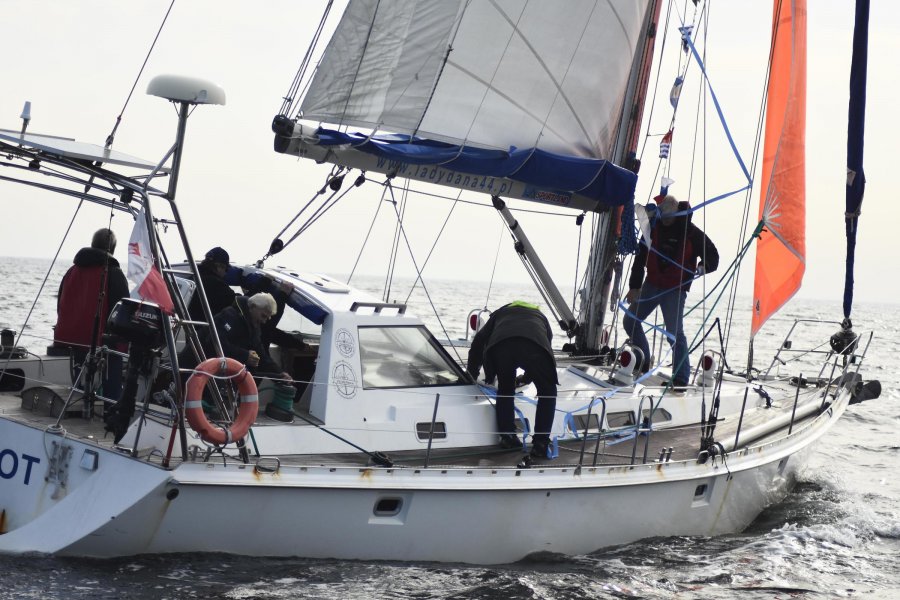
[93, 283]
[679, 251]
[518, 335]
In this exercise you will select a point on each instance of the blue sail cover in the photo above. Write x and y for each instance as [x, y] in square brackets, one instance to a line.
[856, 125]
[608, 184]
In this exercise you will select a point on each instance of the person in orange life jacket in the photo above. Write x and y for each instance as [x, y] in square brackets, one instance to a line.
[95, 273]
[518, 335]
[679, 251]
[219, 294]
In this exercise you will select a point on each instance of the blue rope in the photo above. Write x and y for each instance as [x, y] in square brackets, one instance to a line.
[687, 40]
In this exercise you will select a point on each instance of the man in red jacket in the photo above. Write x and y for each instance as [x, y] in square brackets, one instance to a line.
[87, 292]
[676, 253]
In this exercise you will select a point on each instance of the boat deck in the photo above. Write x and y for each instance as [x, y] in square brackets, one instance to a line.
[613, 448]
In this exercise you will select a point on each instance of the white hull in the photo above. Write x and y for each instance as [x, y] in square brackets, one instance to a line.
[472, 515]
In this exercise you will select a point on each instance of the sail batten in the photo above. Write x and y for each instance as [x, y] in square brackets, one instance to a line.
[781, 250]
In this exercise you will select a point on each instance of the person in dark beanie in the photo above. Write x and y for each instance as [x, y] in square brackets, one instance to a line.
[88, 291]
[218, 293]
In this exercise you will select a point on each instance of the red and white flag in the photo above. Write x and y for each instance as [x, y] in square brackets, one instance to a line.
[665, 145]
[142, 271]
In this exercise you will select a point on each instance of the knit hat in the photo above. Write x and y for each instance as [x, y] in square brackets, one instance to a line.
[104, 239]
[218, 255]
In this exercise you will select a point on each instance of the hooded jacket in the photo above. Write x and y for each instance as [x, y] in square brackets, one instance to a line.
[79, 292]
[238, 336]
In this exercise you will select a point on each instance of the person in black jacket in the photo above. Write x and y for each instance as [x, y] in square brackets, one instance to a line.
[518, 335]
[280, 291]
[218, 293]
[94, 282]
[239, 327]
[678, 252]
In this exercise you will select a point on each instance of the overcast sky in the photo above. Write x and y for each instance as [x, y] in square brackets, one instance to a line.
[76, 61]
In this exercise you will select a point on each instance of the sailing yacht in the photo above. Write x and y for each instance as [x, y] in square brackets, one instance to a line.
[392, 451]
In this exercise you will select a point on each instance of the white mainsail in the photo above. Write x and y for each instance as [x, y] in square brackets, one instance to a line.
[553, 78]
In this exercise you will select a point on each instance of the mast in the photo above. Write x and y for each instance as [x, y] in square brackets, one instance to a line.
[599, 276]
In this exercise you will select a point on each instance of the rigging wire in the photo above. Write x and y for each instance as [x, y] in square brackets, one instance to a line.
[392, 261]
[662, 51]
[579, 222]
[381, 200]
[334, 172]
[43, 283]
[412, 257]
[474, 203]
[699, 138]
[293, 95]
[705, 18]
[745, 221]
[326, 205]
[494, 269]
[433, 246]
[320, 212]
[112, 134]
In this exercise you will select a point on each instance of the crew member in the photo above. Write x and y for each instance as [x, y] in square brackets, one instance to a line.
[219, 294]
[518, 335]
[87, 293]
[678, 252]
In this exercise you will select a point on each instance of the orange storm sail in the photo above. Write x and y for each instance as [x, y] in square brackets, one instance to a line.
[781, 249]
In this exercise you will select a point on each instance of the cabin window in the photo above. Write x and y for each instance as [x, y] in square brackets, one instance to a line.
[404, 356]
[423, 429]
[620, 419]
[660, 415]
[582, 420]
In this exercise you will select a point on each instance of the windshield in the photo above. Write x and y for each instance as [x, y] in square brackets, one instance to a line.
[406, 356]
[293, 322]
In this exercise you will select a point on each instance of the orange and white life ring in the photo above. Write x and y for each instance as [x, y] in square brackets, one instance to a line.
[193, 405]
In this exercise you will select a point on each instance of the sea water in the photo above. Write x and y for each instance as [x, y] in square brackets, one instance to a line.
[837, 535]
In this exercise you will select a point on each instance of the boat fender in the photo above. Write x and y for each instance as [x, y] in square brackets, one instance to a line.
[193, 405]
[865, 391]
